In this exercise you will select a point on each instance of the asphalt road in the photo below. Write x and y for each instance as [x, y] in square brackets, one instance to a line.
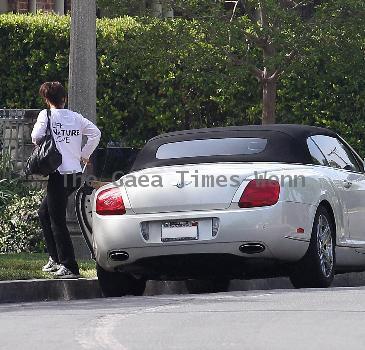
[278, 319]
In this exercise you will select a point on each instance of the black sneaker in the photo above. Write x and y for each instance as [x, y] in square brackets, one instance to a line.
[64, 272]
[51, 266]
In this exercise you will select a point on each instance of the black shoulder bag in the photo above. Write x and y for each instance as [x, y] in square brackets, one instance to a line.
[45, 157]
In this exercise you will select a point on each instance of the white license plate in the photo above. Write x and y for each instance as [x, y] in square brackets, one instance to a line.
[179, 231]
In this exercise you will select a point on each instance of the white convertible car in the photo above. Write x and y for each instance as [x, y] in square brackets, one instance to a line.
[211, 205]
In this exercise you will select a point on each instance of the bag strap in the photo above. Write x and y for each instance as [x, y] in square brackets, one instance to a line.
[49, 123]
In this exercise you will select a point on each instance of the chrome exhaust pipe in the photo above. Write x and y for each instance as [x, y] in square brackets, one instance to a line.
[252, 248]
[118, 256]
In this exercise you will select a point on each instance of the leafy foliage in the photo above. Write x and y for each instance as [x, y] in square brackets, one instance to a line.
[118, 8]
[284, 31]
[8, 187]
[20, 230]
[7, 190]
[156, 76]
[170, 77]
[153, 76]
[32, 49]
[327, 87]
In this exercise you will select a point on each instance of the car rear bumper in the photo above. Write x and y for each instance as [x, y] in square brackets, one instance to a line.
[275, 228]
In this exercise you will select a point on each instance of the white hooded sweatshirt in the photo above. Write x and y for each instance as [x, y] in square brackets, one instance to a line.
[68, 127]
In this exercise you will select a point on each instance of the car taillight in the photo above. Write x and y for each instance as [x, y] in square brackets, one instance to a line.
[260, 193]
[110, 202]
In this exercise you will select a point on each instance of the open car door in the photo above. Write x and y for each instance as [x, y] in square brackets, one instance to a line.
[107, 162]
[84, 196]
[84, 199]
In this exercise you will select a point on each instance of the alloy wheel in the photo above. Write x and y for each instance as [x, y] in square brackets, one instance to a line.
[325, 245]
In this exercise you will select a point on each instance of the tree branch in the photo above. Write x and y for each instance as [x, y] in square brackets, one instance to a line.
[248, 10]
[288, 3]
[263, 15]
[258, 73]
[291, 4]
[281, 69]
[260, 42]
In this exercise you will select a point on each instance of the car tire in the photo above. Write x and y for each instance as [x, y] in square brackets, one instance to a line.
[316, 269]
[207, 286]
[118, 284]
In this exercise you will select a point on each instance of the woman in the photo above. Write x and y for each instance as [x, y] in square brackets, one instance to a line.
[67, 128]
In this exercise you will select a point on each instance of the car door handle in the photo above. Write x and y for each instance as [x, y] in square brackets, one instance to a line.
[347, 184]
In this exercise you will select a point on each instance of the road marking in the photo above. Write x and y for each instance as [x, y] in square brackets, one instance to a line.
[100, 335]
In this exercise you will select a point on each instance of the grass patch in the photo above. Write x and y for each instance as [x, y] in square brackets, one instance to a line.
[25, 266]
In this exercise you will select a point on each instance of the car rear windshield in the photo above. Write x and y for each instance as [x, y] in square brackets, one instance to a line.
[211, 147]
[222, 145]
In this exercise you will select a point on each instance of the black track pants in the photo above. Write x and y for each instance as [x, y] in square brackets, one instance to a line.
[52, 215]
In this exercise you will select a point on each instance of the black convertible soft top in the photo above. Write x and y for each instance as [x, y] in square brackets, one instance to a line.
[286, 143]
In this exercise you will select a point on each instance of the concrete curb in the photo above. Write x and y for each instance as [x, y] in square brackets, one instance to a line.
[47, 290]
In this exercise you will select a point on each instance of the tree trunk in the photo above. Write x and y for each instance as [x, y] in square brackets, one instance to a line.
[269, 87]
[156, 7]
[82, 86]
[82, 69]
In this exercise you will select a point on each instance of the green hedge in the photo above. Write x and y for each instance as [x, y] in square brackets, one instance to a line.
[20, 229]
[156, 76]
